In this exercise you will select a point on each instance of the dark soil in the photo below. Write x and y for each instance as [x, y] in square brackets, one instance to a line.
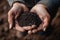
[28, 19]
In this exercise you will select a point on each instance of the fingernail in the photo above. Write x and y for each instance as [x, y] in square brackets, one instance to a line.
[29, 32]
[34, 31]
[10, 26]
[33, 26]
[44, 29]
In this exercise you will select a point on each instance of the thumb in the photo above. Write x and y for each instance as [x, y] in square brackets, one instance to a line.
[10, 26]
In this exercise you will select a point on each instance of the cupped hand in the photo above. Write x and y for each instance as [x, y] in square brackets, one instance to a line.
[14, 13]
[41, 11]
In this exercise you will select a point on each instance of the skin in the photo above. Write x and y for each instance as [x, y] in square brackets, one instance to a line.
[15, 10]
[40, 9]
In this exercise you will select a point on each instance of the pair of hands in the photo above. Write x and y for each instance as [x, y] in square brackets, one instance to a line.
[39, 9]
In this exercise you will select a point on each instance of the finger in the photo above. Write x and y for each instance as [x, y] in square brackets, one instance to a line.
[45, 25]
[38, 29]
[41, 27]
[10, 26]
[33, 26]
[20, 29]
[10, 19]
[44, 29]
[27, 27]
[29, 32]
[17, 27]
[34, 31]
[17, 14]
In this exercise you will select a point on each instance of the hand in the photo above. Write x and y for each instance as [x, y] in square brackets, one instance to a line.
[18, 28]
[29, 27]
[15, 11]
[41, 11]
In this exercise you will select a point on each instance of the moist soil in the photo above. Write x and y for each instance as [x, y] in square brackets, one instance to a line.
[28, 19]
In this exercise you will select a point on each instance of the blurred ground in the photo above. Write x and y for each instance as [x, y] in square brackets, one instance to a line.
[6, 34]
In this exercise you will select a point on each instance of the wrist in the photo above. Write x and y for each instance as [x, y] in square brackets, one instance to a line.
[41, 5]
[19, 5]
[16, 5]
